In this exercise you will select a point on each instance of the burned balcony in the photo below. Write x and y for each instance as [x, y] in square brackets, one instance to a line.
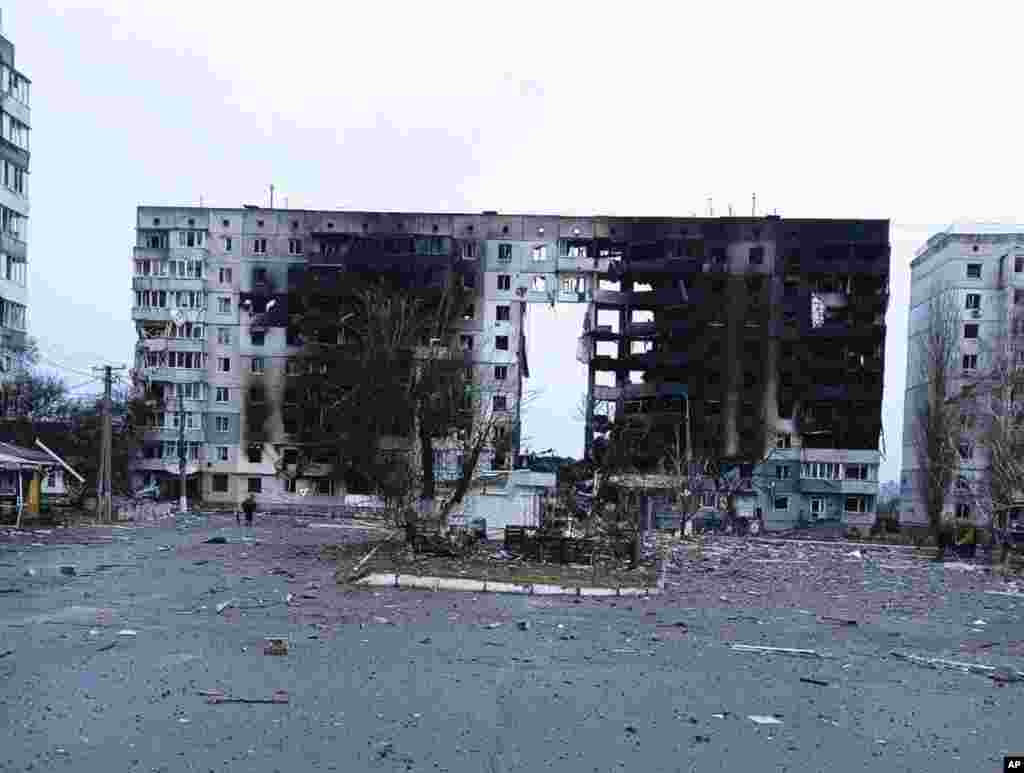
[265, 310]
[668, 266]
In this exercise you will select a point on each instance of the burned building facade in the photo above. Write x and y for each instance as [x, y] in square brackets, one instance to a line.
[768, 333]
[761, 339]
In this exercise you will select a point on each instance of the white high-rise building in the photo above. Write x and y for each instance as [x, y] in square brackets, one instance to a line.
[982, 266]
[14, 210]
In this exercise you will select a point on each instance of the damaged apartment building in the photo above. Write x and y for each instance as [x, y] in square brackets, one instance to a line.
[762, 339]
[768, 333]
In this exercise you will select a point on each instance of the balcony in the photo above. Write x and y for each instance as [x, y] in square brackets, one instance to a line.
[161, 465]
[150, 253]
[163, 344]
[12, 245]
[602, 333]
[650, 299]
[167, 283]
[640, 391]
[640, 329]
[171, 433]
[166, 314]
[174, 375]
[583, 265]
[611, 298]
[665, 266]
[169, 404]
[150, 314]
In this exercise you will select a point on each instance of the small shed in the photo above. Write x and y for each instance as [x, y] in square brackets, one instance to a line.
[23, 472]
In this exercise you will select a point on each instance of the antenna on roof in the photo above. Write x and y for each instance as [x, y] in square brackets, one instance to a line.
[753, 205]
[711, 208]
[271, 195]
[730, 210]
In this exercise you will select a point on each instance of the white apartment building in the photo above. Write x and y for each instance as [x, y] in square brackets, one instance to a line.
[14, 205]
[982, 266]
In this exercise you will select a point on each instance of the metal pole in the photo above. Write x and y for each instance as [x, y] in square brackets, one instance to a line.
[105, 512]
[20, 500]
[689, 444]
[183, 503]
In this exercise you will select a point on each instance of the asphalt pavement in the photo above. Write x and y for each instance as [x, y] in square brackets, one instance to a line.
[103, 666]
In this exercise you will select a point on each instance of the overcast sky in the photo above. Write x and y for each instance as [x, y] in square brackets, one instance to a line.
[825, 110]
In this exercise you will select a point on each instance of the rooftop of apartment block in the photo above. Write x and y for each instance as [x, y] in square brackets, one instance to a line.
[989, 231]
[512, 225]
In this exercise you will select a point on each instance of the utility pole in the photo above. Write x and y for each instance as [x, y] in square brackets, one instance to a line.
[689, 443]
[104, 487]
[182, 458]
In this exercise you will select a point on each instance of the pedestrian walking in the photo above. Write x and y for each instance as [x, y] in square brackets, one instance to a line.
[249, 506]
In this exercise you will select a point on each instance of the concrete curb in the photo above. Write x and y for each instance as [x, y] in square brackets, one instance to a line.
[779, 541]
[485, 586]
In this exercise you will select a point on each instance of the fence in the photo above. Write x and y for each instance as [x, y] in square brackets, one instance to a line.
[524, 541]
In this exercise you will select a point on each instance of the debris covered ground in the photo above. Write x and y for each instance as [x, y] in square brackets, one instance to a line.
[237, 649]
[490, 561]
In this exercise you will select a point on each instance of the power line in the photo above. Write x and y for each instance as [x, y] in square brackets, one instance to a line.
[83, 384]
[55, 348]
[62, 366]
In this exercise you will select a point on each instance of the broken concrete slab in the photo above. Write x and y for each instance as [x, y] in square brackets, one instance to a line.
[753, 648]
[762, 719]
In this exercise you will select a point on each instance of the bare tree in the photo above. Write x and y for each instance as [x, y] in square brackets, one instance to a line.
[1000, 414]
[935, 421]
[379, 375]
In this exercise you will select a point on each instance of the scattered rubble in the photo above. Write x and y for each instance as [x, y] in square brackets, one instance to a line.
[276, 645]
[219, 696]
[999, 673]
[224, 605]
[799, 653]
